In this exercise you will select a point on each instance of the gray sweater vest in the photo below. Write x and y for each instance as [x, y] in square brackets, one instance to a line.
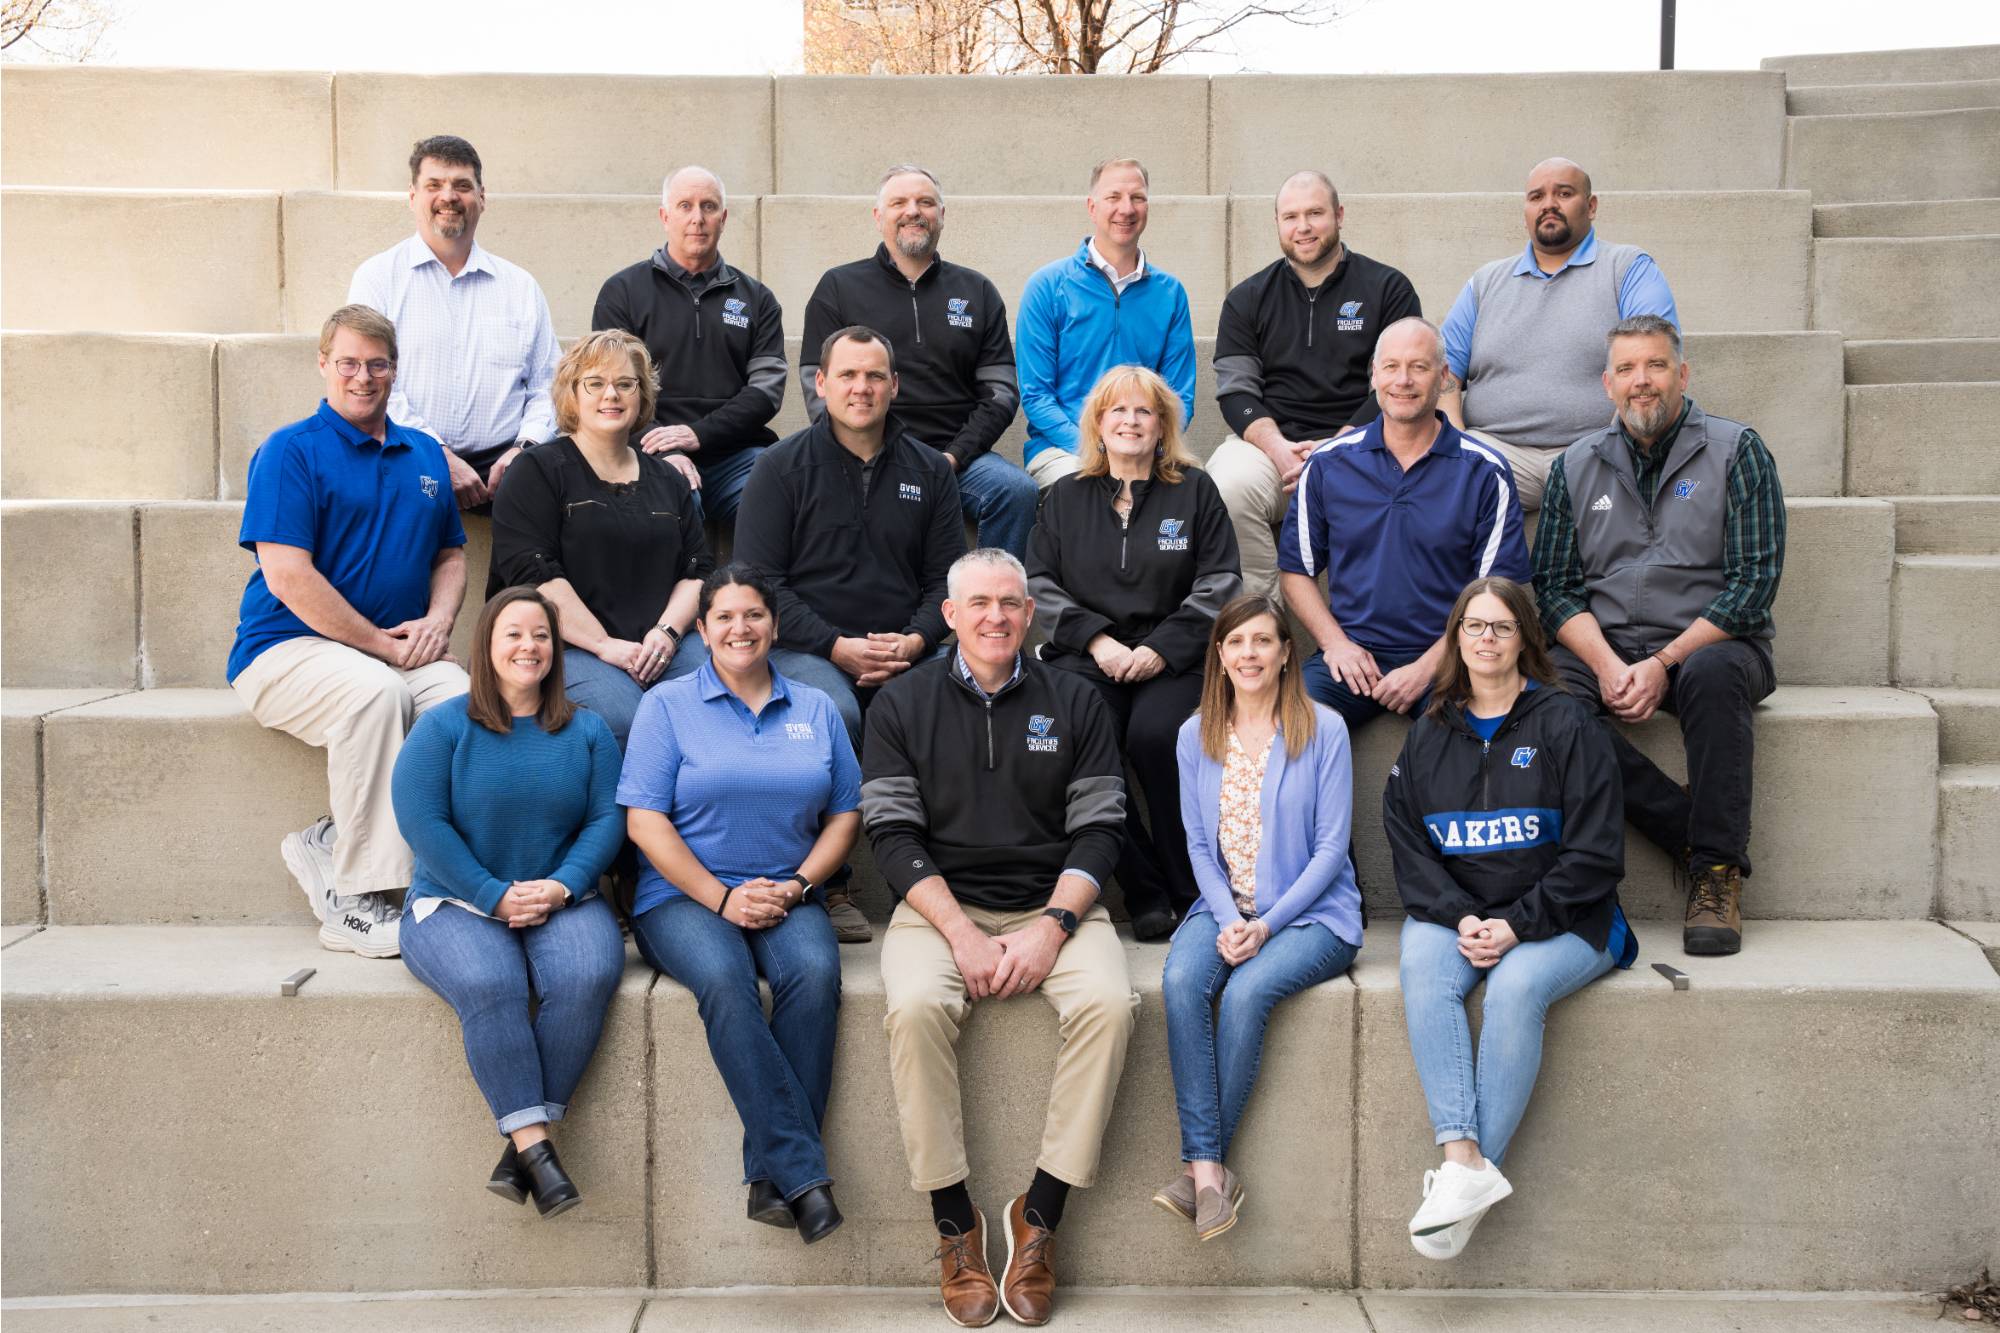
[1533, 376]
[1651, 572]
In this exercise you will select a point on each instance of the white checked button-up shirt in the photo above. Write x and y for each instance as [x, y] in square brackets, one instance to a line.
[476, 352]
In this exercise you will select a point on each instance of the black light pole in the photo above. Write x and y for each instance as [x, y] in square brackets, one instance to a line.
[1666, 34]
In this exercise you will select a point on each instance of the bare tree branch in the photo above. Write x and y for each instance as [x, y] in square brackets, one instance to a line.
[64, 30]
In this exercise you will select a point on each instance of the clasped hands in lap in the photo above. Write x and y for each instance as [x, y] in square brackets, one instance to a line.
[1000, 967]
[528, 902]
[1484, 941]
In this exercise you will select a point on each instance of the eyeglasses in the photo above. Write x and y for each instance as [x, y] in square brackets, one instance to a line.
[1476, 629]
[595, 385]
[377, 369]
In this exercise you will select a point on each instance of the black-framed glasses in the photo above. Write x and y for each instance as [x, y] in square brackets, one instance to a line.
[377, 369]
[1476, 629]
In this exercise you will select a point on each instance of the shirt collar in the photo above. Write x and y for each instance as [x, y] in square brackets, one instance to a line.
[1104, 266]
[708, 683]
[1583, 254]
[1445, 443]
[672, 269]
[393, 436]
[958, 664]
[419, 254]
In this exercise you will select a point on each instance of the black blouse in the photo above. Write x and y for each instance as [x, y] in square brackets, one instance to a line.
[622, 545]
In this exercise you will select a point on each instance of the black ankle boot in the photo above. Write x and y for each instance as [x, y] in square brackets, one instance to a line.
[816, 1215]
[768, 1206]
[509, 1181]
[554, 1193]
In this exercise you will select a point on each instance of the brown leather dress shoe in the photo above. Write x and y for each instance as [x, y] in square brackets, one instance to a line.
[966, 1283]
[1028, 1286]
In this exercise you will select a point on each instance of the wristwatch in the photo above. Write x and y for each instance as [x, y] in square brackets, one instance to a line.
[805, 885]
[668, 630]
[1064, 918]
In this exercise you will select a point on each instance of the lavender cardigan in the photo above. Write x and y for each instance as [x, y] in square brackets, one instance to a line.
[1303, 870]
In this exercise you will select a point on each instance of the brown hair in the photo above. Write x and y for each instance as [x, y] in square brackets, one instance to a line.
[484, 704]
[1218, 692]
[365, 320]
[592, 351]
[1452, 689]
[1171, 458]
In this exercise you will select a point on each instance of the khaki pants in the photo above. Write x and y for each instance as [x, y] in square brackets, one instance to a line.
[1257, 502]
[1531, 466]
[1095, 1009]
[358, 709]
[1051, 465]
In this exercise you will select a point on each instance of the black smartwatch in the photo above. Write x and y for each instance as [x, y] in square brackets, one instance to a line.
[805, 885]
[1064, 918]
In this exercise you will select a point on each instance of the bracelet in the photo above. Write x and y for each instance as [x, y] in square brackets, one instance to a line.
[668, 630]
[725, 899]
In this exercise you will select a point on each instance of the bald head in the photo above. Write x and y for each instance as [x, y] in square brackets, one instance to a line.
[693, 210]
[1558, 208]
[1562, 164]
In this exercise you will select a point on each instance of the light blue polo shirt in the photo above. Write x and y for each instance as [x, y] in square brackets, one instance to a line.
[746, 791]
[374, 515]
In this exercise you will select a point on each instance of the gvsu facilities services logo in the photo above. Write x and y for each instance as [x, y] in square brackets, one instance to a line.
[1039, 739]
[1173, 534]
[1349, 319]
[958, 312]
[735, 313]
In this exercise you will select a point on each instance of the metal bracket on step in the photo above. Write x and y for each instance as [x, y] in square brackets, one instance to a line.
[1673, 974]
[290, 985]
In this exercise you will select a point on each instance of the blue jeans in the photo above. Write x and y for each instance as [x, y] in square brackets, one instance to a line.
[1001, 499]
[1215, 1054]
[1485, 1101]
[778, 1072]
[820, 673]
[607, 691]
[1356, 710]
[487, 971]
[721, 490]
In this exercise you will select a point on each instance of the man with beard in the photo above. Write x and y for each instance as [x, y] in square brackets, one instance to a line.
[478, 347]
[1662, 541]
[1398, 515]
[954, 359]
[717, 336]
[1523, 338]
[1291, 363]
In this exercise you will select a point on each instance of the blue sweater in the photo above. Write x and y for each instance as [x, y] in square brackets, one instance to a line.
[482, 810]
[1073, 327]
[1303, 873]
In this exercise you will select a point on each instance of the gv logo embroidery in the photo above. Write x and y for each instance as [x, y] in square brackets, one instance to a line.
[958, 312]
[1685, 490]
[429, 486]
[906, 490]
[799, 731]
[1173, 534]
[1523, 757]
[734, 313]
[1349, 319]
[1039, 739]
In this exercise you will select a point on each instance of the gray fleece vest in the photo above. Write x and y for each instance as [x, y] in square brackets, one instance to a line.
[1650, 572]
[1533, 376]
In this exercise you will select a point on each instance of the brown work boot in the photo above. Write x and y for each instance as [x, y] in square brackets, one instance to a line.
[849, 926]
[1714, 922]
[966, 1283]
[1028, 1286]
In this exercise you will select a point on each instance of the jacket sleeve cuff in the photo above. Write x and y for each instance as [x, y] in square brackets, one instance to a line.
[489, 896]
[903, 859]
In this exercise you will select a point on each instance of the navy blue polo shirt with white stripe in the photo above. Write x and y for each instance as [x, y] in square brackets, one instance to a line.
[373, 513]
[746, 791]
[1397, 547]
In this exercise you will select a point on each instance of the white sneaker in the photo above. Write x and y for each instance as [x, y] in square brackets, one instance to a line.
[1453, 1193]
[1449, 1243]
[366, 924]
[309, 856]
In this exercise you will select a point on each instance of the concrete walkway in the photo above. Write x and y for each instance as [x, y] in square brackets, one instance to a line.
[835, 1309]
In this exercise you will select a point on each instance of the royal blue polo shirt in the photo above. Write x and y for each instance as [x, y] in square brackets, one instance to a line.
[1397, 547]
[373, 514]
[746, 791]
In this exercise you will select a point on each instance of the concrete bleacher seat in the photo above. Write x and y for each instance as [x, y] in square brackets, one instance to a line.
[1905, 287]
[1898, 155]
[1917, 64]
[1687, 1090]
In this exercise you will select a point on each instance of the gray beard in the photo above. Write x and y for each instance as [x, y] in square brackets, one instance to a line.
[911, 249]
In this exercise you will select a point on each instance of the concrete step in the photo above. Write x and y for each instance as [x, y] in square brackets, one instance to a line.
[1875, 98]
[1895, 1086]
[1923, 360]
[1986, 934]
[1968, 725]
[1923, 439]
[571, 243]
[1928, 217]
[186, 775]
[1896, 155]
[1788, 383]
[163, 609]
[1167, 1309]
[1947, 620]
[1920, 64]
[1969, 842]
[21, 714]
[1904, 287]
[1947, 524]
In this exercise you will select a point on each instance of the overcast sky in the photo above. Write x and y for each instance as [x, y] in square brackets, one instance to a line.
[762, 36]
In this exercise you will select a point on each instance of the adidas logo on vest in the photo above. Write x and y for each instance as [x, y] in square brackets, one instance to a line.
[1601, 504]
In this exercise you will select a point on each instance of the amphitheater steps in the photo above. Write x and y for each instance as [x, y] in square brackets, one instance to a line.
[1166, 1309]
[1923, 439]
[1904, 287]
[1947, 524]
[1920, 64]
[1896, 155]
[1708, 1092]
[1909, 218]
[1947, 620]
[1878, 98]
[1922, 360]
[1969, 842]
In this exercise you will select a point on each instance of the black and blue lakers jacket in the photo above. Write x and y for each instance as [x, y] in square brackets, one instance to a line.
[1528, 827]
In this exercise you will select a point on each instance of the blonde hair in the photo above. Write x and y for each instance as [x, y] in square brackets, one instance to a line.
[1171, 458]
[365, 320]
[591, 352]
